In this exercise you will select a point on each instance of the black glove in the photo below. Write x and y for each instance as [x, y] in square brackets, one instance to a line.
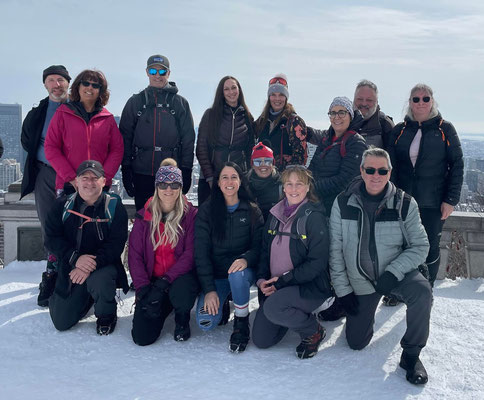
[386, 283]
[128, 180]
[187, 179]
[162, 284]
[350, 303]
[150, 298]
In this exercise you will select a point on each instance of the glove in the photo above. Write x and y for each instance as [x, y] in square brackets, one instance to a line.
[350, 303]
[150, 299]
[128, 180]
[386, 283]
[162, 284]
[187, 179]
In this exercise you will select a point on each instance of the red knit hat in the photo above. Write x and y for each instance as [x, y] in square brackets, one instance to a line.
[260, 150]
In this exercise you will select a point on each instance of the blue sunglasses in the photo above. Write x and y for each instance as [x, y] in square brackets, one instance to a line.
[153, 71]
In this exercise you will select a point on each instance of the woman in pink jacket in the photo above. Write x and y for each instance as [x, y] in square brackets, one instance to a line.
[161, 259]
[83, 130]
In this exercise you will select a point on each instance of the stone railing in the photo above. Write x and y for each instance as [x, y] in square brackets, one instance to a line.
[22, 239]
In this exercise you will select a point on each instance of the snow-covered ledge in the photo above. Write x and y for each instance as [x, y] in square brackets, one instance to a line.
[15, 214]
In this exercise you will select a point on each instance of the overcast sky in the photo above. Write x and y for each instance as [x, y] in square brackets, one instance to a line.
[323, 47]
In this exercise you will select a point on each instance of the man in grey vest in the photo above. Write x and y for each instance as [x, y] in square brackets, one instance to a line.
[377, 243]
[39, 176]
[377, 126]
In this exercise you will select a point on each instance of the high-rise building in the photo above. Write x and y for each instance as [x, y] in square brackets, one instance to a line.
[9, 172]
[10, 128]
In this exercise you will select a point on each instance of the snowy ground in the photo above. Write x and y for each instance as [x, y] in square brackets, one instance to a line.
[37, 362]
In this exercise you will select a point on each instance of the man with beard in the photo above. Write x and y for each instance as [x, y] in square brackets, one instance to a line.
[39, 176]
[377, 126]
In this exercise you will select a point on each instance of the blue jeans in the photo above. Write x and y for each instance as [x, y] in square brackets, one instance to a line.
[238, 283]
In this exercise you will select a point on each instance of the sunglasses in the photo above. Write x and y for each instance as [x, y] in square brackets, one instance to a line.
[340, 113]
[166, 185]
[153, 71]
[282, 81]
[371, 171]
[94, 85]
[262, 161]
[425, 99]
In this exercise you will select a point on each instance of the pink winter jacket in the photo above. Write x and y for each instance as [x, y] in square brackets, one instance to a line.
[71, 141]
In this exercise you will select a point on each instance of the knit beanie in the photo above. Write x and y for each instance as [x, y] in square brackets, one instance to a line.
[56, 70]
[278, 86]
[343, 102]
[260, 150]
[169, 173]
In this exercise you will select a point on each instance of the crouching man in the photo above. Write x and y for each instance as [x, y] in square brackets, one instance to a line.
[87, 232]
[377, 244]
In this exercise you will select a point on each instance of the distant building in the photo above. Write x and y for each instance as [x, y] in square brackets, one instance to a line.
[10, 128]
[480, 165]
[9, 172]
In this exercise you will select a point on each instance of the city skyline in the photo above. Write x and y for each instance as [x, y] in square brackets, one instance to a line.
[324, 50]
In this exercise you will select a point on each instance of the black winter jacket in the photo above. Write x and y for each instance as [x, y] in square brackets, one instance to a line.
[61, 239]
[30, 139]
[243, 230]
[377, 129]
[235, 140]
[439, 170]
[311, 268]
[332, 173]
[267, 191]
[164, 129]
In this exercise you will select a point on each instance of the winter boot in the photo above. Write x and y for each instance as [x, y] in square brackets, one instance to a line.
[225, 313]
[46, 288]
[416, 372]
[182, 327]
[105, 324]
[241, 334]
[390, 301]
[333, 313]
[309, 346]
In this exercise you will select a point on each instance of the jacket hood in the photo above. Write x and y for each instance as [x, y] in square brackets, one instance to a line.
[435, 116]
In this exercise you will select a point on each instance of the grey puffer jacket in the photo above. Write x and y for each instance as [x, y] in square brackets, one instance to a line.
[346, 227]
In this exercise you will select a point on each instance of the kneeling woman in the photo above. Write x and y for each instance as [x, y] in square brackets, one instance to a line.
[293, 273]
[227, 239]
[161, 259]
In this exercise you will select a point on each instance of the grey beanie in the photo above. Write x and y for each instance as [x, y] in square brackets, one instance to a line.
[277, 86]
[343, 102]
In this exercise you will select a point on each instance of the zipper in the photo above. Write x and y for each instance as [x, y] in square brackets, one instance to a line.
[232, 135]
[154, 134]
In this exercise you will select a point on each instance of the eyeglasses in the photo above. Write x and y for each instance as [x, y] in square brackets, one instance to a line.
[94, 85]
[166, 185]
[282, 81]
[262, 161]
[371, 171]
[340, 113]
[425, 99]
[153, 71]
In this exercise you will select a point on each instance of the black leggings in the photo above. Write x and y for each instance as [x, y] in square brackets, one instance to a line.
[433, 224]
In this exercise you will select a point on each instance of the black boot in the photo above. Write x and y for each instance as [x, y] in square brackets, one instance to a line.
[309, 346]
[333, 313]
[241, 334]
[182, 327]
[416, 372]
[105, 324]
[390, 301]
[46, 288]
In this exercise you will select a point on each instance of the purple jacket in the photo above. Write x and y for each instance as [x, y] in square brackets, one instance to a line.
[141, 255]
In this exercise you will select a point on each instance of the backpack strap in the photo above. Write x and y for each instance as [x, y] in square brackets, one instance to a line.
[346, 136]
[301, 231]
[401, 202]
[68, 205]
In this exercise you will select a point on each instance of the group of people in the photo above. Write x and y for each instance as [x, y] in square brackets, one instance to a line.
[320, 242]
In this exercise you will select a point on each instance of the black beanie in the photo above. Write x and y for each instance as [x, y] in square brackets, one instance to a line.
[56, 70]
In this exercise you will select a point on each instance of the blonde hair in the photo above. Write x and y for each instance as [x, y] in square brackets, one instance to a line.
[173, 229]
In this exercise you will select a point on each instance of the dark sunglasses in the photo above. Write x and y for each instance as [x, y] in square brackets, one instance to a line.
[282, 81]
[262, 161]
[153, 71]
[165, 185]
[425, 99]
[371, 171]
[94, 85]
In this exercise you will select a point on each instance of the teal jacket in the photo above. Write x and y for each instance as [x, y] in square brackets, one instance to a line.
[347, 224]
